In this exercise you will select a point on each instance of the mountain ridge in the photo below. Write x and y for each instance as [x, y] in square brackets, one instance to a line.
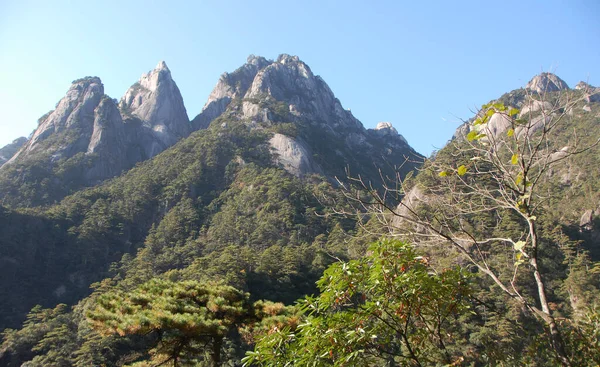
[90, 137]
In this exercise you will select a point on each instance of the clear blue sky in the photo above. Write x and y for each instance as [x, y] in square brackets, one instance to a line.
[420, 65]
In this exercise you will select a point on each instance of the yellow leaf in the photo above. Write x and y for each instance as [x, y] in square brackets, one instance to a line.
[510, 132]
[462, 170]
[514, 159]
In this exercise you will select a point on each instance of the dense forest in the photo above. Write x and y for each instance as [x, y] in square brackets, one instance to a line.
[213, 254]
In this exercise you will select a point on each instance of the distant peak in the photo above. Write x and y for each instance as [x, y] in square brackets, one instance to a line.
[256, 60]
[386, 126]
[385, 129]
[285, 59]
[87, 80]
[546, 82]
[584, 86]
[162, 66]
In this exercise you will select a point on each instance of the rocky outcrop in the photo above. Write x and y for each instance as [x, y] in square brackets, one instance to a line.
[9, 150]
[293, 155]
[592, 94]
[156, 101]
[586, 221]
[387, 131]
[546, 82]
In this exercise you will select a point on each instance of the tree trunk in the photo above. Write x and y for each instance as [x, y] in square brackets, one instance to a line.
[555, 337]
[216, 352]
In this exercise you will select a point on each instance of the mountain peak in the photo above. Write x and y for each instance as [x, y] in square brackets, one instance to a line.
[85, 81]
[257, 61]
[288, 82]
[157, 102]
[162, 66]
[386, 127]
[584, 86]
[285, 59]
[546, 82]
[387, 130]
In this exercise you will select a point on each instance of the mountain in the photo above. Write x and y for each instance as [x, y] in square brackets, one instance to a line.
[246, 196]
[529, 100]
[157, 103]
[9, 150]
[88, 138]
[251, 178]
[324, 137]
[544, 97]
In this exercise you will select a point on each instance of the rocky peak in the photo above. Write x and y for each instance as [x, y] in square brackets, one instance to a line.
[546, 82]
[157, 102]
[286, 59]
[230, 86]
[288, 82]
[583, 86]
[268, 92]
[74, 111]
[258, 61]
[386, 130]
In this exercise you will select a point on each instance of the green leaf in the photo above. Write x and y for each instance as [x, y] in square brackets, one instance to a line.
[513, 112]
[519, 245]
[499, 106]
[490, 112]
[510, 132]
[472, 135]
[462, 170]
[479, 121]
[514, 159]
[519, 179]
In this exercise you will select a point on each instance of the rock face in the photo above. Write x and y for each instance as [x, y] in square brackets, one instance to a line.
[9, 150]
[265, 93]
[546, 82]
[157, 102]
[293, 155]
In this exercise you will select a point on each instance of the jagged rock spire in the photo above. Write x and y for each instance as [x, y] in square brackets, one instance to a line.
[156, 100]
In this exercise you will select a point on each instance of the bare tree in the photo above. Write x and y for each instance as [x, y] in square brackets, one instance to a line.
[496, 168]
